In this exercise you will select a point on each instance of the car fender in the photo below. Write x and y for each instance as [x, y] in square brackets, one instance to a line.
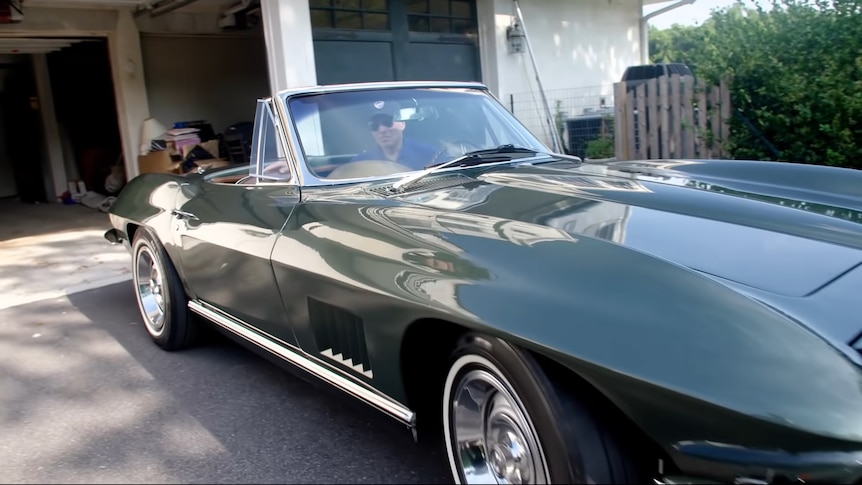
[635, 325]
[147, 200]
[652, 334]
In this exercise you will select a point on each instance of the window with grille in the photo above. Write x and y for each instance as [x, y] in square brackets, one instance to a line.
[441, 16]
[350, 14]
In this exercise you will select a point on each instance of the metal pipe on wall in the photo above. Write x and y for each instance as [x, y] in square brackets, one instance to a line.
[555, 136]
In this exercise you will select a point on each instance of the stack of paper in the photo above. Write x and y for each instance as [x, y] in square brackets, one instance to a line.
[177, 138]
[177, 134]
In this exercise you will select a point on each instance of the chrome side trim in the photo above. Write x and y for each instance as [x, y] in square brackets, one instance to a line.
[347, 362]
[294, 355]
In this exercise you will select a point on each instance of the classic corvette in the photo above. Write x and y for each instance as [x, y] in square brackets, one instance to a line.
[555, 320]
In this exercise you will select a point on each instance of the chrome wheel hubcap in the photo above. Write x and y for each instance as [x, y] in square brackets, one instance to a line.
[149, 288]
[491, 439]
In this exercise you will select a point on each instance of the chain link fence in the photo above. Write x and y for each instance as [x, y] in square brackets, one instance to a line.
[583, 118]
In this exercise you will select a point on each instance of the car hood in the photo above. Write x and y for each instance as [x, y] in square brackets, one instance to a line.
[776, 241]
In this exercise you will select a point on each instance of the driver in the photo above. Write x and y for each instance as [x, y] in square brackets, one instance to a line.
[391, 143]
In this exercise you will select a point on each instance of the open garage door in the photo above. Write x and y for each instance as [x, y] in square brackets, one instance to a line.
[57, 115]
[395, 40]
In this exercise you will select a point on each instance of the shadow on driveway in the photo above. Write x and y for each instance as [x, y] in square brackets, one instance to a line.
[85, 396]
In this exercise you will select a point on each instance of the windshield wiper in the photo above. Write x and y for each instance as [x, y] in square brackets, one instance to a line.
[474, 157]
[500, 150]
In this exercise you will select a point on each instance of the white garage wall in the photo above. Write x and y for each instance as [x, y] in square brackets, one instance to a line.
[215, 78]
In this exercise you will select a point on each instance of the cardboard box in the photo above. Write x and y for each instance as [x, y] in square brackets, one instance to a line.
[157, 162]
[210, 146]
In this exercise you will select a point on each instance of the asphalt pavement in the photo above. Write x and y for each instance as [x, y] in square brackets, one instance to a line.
[85, 397]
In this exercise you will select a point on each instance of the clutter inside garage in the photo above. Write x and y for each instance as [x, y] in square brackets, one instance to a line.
[190, 127]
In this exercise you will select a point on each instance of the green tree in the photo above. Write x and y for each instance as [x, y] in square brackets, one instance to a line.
[796, 72]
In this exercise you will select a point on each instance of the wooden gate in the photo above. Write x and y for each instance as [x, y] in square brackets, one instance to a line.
[671, 117]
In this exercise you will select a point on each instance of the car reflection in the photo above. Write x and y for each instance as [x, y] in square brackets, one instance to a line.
[455, 198]
[564, 184]
[652, 171]
[431, 222]
[653, 164]
[537, 209]
[823, 209]
[425, 252]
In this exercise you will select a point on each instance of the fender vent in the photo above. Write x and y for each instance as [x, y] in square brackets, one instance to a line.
[429, 183]
[340, 336]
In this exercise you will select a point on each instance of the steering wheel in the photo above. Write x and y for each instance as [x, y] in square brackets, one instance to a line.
[367, 168]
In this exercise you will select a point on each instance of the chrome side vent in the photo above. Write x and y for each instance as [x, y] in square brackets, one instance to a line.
[340, 336]
[428, 183]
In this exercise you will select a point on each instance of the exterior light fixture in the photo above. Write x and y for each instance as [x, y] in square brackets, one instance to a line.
[516, 38]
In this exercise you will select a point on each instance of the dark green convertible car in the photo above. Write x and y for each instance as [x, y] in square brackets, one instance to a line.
[414, 246]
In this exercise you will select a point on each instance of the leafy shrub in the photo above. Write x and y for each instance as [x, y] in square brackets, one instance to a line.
[796, 72]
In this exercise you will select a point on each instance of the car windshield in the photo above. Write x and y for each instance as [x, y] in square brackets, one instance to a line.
[371, 133]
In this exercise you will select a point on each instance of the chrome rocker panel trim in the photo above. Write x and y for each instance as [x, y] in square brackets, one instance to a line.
[298, 358]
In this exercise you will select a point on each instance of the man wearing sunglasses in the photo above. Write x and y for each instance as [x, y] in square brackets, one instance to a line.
[392, 145]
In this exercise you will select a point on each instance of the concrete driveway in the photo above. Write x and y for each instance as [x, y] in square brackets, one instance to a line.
[52, 250]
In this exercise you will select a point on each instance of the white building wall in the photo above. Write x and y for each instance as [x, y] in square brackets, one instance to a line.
[289, 43]
[581, 46]
[130, 92]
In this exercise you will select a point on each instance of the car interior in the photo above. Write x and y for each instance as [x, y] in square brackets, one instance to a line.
[339, 127]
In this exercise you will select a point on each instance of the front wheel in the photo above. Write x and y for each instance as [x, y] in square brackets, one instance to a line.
[505, 422]
[161, 299]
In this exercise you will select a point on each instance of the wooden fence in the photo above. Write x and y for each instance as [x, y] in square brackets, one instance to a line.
[671, 117]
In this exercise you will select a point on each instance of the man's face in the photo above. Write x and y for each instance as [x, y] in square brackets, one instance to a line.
[386, 132]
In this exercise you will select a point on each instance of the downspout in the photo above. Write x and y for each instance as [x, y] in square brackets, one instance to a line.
[644, 30]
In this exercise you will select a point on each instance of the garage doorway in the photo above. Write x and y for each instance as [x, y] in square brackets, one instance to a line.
[395, 40]
[22, 157]
[86, 112]
[71, 91]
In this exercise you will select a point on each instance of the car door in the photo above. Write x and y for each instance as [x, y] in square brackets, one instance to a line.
[226, 232]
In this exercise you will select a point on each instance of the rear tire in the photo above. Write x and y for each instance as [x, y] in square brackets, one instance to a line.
[506, 422]
[159, 292]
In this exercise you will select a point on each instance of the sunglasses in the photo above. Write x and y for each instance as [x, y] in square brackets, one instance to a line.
[380, 120]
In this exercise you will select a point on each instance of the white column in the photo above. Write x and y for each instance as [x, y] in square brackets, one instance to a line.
[56, 183]
[130, 91]
[504, 73]
[486, 16]
[289, 44]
